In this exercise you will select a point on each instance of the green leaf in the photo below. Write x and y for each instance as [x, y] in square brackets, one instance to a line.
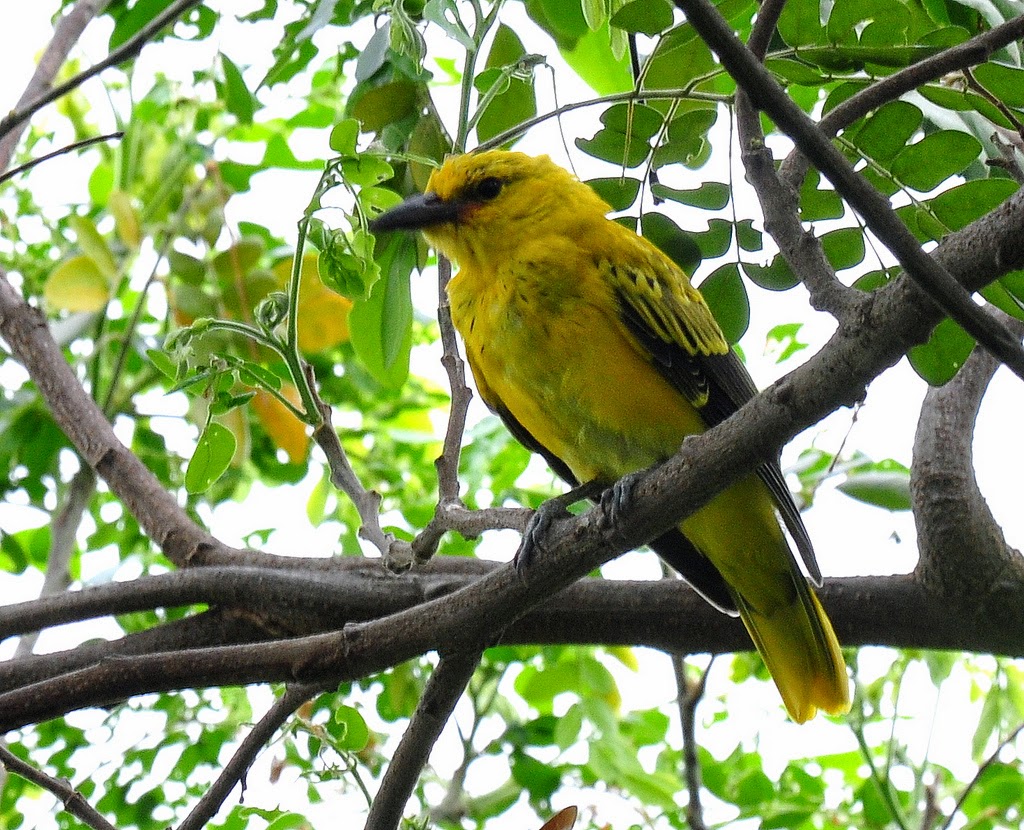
[1005, 82]
[800, 23]
[445, 14]
[818, 204]
[381, 324]
[715, 241]
[636, 120]
[539, 779]
[844, 247]
[240, 102]
[593, 60]
[961, 205]
[379, 106]
[727, 297]
[846, 18]
[648, 17]
[344, 136]
[886, 488]
[784, 341]
[618, 191]
[93, 245]
[213, 454]
[518, 102]
[938, 360]
[355, 734]
[615, 148]
[674, 242]
[776, 276]
[709, 196]
[346, 263]
[747, 237]
[686, 140]
[129, 23]
[925, 165]
[886, 132]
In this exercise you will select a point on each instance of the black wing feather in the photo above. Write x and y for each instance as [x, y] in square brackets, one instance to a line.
[719, 384]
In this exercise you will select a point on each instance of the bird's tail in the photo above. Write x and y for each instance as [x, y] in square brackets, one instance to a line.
[801, 652]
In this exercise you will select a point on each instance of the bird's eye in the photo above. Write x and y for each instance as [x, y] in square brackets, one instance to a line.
[489, 188]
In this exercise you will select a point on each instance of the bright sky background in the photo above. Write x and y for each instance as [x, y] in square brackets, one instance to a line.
[850, 538]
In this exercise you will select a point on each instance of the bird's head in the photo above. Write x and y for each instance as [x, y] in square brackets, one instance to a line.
[482, 204]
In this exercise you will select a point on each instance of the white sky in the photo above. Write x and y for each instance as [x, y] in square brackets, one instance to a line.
[850, 538]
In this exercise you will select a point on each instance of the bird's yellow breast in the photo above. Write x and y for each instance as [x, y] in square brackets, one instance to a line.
[544, 340]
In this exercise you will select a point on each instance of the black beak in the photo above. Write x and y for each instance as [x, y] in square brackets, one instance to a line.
[415, 213]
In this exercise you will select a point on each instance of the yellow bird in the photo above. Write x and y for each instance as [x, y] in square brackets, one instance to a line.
[597, 352]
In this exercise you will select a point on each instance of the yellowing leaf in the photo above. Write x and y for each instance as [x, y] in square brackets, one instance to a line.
[285, 430]
[76, 285]
[94, 245]
[323, 314]
[126, 218]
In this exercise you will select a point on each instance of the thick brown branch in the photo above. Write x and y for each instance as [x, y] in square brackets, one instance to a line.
[895, 611]
[964, 556]
[26, 332]
[873, 206]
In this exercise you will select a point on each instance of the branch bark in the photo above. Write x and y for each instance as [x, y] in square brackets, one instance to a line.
[873, 206]
[964, 557]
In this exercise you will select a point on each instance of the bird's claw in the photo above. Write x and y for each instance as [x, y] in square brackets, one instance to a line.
[616, 499]
[542, 519]
[538, 525]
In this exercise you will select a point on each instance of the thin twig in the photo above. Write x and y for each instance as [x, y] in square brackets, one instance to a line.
[129, 49]
[65, 35]
[70, 148]
[236, 769]
[74, 802]
[977, 776]
[446, 685]
[367, 502]
[875, 208]
[688, 695]
[63, 529]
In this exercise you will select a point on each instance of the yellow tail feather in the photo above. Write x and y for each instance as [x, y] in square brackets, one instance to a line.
[802, 654]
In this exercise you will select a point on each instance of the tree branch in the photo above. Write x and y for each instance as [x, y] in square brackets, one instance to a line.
[873, 206]
[74, 802]
[445, 687]
[66, 34]
[963, 553]
[896, 317]
[129, 49]
[237, 768]
[688, 696]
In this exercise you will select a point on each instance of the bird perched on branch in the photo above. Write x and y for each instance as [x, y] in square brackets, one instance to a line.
[597, 352]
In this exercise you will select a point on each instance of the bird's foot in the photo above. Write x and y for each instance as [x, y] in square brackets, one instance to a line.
[616, 499]
[542, 519]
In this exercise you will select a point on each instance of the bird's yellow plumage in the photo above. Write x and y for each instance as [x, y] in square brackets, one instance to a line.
[596, 350]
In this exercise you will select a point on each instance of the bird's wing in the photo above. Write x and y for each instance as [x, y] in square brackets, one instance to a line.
[671, 321]
[675, 548]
